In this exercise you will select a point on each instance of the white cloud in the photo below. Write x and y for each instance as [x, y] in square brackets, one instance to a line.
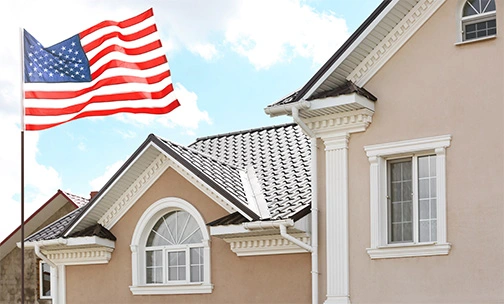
[126, 134]
[98, 182]
[187, 115]
[287, 29]
[81, 146]
[205, 50]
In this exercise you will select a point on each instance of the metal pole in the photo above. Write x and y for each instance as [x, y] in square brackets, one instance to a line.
[22, 219]
[22, 168]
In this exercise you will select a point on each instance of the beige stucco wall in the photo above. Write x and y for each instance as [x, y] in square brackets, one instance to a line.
[265, 279]
[432, 87]
[10, 269]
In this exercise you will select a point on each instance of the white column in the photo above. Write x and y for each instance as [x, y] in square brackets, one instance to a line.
[61, 295]
[337, 217]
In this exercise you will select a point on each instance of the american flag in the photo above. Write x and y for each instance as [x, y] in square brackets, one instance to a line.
[112, 67]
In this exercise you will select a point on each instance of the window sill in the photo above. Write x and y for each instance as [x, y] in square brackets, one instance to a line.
[167, 289]
[476, 40]
[408, 250]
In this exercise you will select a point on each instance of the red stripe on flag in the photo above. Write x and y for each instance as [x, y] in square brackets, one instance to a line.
[102, 83]
[128, 51]
[159, 111]
[129, 65]
[98, 99]
[123, 24]
[130, 37]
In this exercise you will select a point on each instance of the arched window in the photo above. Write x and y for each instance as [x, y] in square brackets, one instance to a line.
[478, 19]
[174, 250]
[170, 250]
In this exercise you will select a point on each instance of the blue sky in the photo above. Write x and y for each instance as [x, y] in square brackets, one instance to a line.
[229, 59]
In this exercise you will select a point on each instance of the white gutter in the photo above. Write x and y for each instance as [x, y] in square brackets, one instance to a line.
[280, 224]
[286, 109]
[314, 204]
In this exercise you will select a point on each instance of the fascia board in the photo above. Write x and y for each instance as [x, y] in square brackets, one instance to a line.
[348, 51]
[124, 168]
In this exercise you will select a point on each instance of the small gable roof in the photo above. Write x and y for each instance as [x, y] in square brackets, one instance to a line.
[375, 41]
[275, 161]
[42, 214]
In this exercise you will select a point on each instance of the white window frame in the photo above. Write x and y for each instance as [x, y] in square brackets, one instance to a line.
[140, 235]
[463, 21]
[41, 281]
[378, 156]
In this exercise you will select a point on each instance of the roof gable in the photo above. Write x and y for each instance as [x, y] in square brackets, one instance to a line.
[379, 37]
[41, 215]
[262, 173]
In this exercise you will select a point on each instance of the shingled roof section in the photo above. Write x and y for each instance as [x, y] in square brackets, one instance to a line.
[77, 200]
[280, 156]
[223, 173]
[55, 229]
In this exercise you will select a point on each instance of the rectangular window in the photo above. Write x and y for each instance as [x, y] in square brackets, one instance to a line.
[480, 29]
[412, 199]
[408, 198]
[45, 280]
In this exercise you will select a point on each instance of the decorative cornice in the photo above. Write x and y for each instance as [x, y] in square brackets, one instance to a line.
[347, 122]
[401, 33]
[80, 256]
[130, 196]
[266, 245]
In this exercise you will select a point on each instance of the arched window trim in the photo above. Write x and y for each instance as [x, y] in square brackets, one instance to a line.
[463, 20]
[138, 241]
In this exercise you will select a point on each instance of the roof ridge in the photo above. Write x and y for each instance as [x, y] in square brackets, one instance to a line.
[244, 131]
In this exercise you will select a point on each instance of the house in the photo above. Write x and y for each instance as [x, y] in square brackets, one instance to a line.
[60, 204]
[387, 189]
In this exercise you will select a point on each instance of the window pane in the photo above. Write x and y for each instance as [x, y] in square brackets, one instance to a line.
[46, 280]
[196, 264]
[490, 7]
[154, 258]
[424, 209]
[433, 230]
[471, 8]
[401, 213]
[423, 188]
[407, 211]
[176, 266]
[407, 232]
[433, 208]
[425, 231]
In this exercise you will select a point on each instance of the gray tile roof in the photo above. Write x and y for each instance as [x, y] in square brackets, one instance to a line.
[223, 173]
[280, 156]
[77, 200]
[55, 229]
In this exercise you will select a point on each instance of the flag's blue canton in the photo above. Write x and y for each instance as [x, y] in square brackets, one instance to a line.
[62, 62]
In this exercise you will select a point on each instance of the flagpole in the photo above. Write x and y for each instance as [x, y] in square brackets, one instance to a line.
[22, 169]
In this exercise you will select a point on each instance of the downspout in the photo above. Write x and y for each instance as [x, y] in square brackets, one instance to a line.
[54, 267]
[314, 204]
[279, 224]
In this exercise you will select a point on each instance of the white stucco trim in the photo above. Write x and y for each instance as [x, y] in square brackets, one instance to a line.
[395, 39]
[377, 156]
[412, 250]
[266, 244]
[140, 234]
